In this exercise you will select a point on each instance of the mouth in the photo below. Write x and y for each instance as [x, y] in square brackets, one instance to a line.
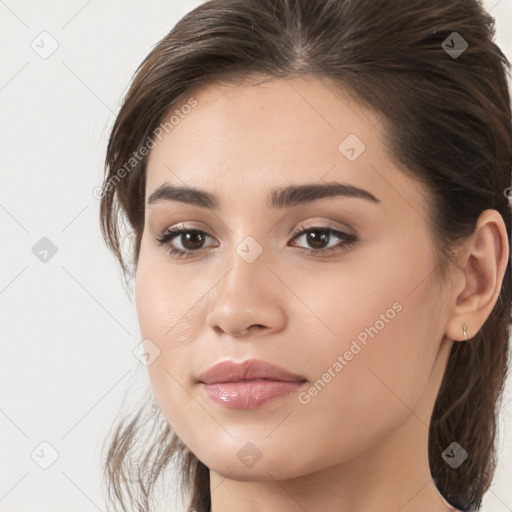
[250, 394]
[249, 384]
[250, 369]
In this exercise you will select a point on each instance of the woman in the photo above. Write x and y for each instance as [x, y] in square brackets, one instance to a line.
[318, 198]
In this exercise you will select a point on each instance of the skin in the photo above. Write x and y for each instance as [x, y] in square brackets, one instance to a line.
[361, 443]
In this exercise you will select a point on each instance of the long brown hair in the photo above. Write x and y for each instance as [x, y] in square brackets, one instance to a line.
[446, 115]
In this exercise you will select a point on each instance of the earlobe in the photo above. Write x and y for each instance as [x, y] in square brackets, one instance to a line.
[483, 262]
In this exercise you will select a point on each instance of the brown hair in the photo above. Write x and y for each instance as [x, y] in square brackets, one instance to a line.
[446, 119]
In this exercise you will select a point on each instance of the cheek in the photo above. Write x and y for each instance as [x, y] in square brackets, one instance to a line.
[373, 371]
[168, 306]
[167, 311]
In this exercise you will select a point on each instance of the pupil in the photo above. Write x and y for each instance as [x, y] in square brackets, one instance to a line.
[193, 236]
[317, 240]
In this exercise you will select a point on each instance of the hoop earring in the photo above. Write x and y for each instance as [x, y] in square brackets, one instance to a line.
[465, 332]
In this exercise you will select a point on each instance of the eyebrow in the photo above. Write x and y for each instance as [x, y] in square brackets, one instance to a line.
[290, 196]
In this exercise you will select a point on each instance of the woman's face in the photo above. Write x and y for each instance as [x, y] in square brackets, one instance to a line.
[358, 320]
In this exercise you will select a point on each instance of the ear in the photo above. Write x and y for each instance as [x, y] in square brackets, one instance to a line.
[479, 275]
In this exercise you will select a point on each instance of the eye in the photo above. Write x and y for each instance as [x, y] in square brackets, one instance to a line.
[192, 240]
[319, 238]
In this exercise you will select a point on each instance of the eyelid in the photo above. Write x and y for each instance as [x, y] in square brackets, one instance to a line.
[322, 224]
[311, 224]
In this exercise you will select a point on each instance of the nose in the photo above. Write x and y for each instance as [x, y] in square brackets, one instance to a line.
[248, 300]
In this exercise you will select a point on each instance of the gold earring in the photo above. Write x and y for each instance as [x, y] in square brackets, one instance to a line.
[465, 331]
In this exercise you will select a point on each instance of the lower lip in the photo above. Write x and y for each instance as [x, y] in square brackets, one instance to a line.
[249, 394]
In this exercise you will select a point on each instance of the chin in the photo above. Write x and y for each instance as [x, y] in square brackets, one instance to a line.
[277, 466]
[261, 472]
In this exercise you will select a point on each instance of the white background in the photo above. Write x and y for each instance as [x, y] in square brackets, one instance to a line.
[68, 327]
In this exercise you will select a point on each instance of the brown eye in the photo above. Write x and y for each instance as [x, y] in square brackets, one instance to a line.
[318, 239]
[191, 240]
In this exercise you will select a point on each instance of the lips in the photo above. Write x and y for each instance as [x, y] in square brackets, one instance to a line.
[249, 384]
[251, 369]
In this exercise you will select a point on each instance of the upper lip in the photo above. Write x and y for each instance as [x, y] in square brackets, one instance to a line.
[251, 369]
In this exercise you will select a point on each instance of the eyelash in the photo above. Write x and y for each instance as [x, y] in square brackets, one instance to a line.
[174, 232]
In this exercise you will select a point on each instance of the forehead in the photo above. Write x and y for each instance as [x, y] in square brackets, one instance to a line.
[288, 118]
[257, 137]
